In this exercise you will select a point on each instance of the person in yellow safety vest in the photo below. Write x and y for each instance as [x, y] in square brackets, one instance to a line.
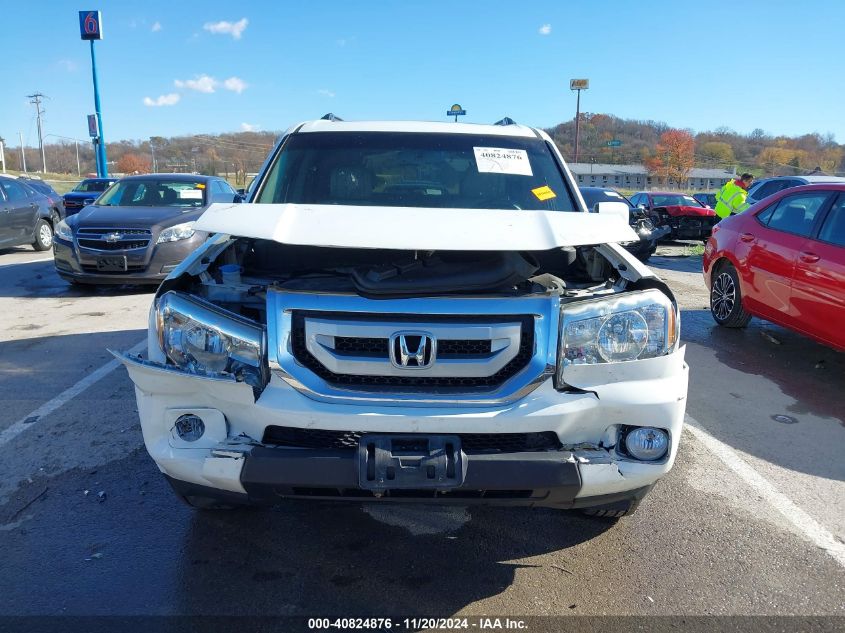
[731, 198]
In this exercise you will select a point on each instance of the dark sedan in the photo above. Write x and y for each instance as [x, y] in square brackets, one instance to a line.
[85, 193]
[26, 216]
[642, 225]
[57, 204]
[137, 231]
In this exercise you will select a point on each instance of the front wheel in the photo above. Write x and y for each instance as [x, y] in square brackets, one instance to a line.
[43, 236]
[726, 299]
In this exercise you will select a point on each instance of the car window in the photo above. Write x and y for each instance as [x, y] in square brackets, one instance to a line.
[152, 192]
[796, 214]
[592, 196]
[769, 188]
[833, 229]
[14, 191]
[674, 200]
[406, 169]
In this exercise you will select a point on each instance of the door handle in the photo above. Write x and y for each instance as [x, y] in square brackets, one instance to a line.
[747, 237]
[810, 258]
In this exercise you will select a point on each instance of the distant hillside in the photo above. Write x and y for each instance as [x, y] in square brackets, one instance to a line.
[239, 153]
[758, 152]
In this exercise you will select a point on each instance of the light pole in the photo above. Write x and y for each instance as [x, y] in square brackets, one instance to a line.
[3, 153]
[75, 142]
[90, 28]
[579, 85]
[23, 153]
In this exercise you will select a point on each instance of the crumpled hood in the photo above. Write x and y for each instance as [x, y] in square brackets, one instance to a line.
[414, 228]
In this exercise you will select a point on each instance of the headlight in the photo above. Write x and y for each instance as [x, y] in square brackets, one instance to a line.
[64, 231]
[629, 327]
[176, 233]
[201, 338]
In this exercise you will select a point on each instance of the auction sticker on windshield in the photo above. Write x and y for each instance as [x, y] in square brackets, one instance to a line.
[498, 160]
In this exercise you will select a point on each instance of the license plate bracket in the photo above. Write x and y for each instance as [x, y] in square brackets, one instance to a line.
[113, 264]
[410, 462]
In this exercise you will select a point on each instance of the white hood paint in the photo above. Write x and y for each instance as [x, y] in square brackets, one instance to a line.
[414, 228]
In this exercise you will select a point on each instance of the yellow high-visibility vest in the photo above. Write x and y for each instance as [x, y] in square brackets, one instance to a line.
[731, 199]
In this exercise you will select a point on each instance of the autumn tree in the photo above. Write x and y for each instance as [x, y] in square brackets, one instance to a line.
[133, 164]
[674, 156]
[717, 153]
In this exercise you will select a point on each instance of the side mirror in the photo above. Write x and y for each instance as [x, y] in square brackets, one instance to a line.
[619, 209]
[242, 192]
[238, 197]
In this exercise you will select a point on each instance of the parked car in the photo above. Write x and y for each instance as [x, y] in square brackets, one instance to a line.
[685, 216]
[783, 260]
[648, 235]
[707, 199]
[26, 216]
[85, 193]
[766, 187]
[56, 203]
[413, 310]
[137, 231]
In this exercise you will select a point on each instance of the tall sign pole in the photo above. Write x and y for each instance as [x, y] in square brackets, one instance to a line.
[90, 28]
[579, 85]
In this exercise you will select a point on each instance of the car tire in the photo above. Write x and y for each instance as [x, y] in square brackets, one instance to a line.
[612, 510]
[43, 236]
[726, 299]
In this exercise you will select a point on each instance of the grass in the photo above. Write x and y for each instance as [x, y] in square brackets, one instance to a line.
[694, 249]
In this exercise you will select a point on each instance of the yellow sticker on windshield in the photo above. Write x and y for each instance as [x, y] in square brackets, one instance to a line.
[199, 185]
[544, 193]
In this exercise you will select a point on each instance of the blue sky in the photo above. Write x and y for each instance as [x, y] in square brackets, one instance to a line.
[271, 64]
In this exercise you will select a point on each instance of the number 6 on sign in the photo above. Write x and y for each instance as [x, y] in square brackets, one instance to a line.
[90, 25]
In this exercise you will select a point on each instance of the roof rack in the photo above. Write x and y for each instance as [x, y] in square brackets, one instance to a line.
[506, 121]
[330, 117]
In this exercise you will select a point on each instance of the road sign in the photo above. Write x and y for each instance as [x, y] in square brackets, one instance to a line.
[93, 128]
[90, 25]
[456, 110]
[579, 84]
[613, 143]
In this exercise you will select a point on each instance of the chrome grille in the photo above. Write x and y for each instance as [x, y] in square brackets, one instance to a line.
[113, 239]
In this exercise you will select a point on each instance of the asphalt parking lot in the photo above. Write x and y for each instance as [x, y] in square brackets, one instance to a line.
[749, 522]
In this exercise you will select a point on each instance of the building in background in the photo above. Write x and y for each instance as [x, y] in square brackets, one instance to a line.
[637, 177]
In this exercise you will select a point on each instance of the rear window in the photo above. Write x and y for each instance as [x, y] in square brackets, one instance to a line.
[417, 170]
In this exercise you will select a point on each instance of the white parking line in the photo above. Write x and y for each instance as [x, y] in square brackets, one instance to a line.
[807, 525]
[30, 420]
[28, 261]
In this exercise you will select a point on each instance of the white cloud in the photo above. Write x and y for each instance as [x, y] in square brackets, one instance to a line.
[250, 127]
[68, 65]
[235, 84]
[545, 29]
[235, 29]
[326, 93]
[156, 27]
[201, 83]
[163, 100]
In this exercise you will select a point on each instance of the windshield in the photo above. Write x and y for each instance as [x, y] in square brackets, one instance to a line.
[417, 170]
[592, 196]
[154, 193]
[88, 186]
[672, 200]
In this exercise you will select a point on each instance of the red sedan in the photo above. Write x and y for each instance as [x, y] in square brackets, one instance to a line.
[782, 260]
[685, 216]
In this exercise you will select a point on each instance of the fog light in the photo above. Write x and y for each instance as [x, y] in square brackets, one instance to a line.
[189, 427]
[646, 443]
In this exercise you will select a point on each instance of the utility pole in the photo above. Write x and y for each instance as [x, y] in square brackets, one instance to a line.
[36, 101]
[3, 153]
[23, 153]
[153, 152]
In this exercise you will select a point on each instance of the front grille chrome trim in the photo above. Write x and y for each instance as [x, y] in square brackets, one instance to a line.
[544, 311]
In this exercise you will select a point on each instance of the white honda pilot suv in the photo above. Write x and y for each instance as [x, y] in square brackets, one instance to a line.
[413, 311]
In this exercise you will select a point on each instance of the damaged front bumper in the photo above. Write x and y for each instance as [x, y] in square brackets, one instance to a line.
[234, 460]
